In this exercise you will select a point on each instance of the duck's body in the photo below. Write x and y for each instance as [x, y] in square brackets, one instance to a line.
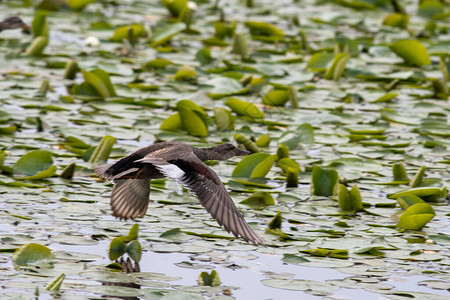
[132, 174]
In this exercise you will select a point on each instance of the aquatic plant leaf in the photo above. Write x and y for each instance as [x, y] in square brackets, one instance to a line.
[192, 122]
[56, 283]
[276, 221]
[224, 119]
[117, 248]
[134, 250]
[323, 181]
[40, 25]
[33, 255]
[422, 192]
[408, 200]
[302, 134]
[418, 177]
[164, 34]
[37, 46]
[276, 98]
[173, 122]
[396, 20]
[399, 172]
[412, 51]
[79, 5]
[337, 67]
[319, 61]
[248, 144]
[129, 31]
[243, 108]
[103, 150]
[176, 7]
[262, 28]
[185, 73]
[210, 279]
[246, 167]
[134, 232]
[430, 8]
[259, 199]
[33, 162]
[416, 216]
[101, 82]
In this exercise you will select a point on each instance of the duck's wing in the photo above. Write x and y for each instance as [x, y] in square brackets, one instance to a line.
[204, 184]
[101, 171]
[130, 197]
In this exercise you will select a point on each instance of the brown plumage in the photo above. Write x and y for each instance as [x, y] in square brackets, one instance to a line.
[13, 23]
[132, 174]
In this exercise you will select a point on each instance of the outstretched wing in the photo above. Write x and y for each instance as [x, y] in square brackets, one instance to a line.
[130, 197]
[204, 183]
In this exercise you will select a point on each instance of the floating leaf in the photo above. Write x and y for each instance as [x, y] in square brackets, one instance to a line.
[263, 141]
[259, 199]
[276, 221]
[430, 8]
[33, 255]
[164, 34]
[417, 179]
[243, 108]
[302, 134]
[134, 232]
[349, 200]
[396, 20]
[37, 46]
[240, 45]
[173, 122]
[408, 200]
[176, 7]
[193, 118]
[294, 259]
[262, 28]
[416, 216]
[56, 283]
[185, 73]
[128, 32]
[79, 5]
[36, 164]
[276, 98]
[100, 81]
[254, 165]
[412, 51]
[117, 248]
[399, 172]
[134, 250]
[248, 144]
[319, 61]
[103, 149]
[224, 119]
[337, 67]
[209, 279]
[426, 193]
[323, 181]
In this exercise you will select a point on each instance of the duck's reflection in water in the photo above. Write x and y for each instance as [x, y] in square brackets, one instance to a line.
[128, 266]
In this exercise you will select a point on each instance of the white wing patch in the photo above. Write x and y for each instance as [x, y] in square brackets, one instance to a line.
[167, 169]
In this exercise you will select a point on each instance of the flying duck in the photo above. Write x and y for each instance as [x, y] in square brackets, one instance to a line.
[131, 176]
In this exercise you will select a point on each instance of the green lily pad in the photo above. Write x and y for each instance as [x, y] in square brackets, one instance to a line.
[323, 181]
[243, 108]
[254, 165]
[416, 216]
[412, 51]
[164, 34]
[33, 255]
[37, 164]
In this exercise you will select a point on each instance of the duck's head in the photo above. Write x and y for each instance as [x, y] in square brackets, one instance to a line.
[223, 152]
[13, 23]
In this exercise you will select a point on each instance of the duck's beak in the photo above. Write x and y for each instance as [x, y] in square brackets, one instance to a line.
[242, 152]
